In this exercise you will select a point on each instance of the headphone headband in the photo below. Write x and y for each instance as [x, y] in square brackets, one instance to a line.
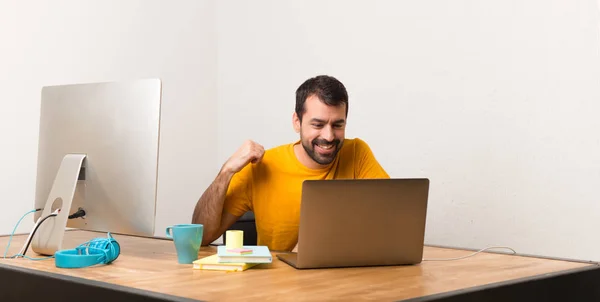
[93, 252]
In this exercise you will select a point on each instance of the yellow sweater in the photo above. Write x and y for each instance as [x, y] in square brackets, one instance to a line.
[272, 188]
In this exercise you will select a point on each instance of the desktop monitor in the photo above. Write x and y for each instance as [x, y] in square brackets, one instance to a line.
[98, 151]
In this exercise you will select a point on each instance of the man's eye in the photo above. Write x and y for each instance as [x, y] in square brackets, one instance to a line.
[338, 126]
[317, 125]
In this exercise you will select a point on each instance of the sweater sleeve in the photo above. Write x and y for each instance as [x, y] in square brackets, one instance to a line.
[238, 199]
[368, 166]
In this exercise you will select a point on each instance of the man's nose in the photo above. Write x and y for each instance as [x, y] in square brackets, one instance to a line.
[327, 134]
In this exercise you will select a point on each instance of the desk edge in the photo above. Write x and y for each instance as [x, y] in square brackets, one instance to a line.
[504, 284]
[95, 283]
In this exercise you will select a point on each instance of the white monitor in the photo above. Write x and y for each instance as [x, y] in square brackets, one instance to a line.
[98, 151]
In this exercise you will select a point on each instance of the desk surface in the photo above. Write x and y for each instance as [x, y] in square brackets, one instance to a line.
[150, 264]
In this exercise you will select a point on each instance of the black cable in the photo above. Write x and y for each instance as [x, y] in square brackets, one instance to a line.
[79, 213]
[34, 230]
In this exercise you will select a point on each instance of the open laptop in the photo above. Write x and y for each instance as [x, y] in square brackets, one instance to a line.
[360, 222]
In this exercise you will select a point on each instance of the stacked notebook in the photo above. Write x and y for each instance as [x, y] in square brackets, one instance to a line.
[239, 259]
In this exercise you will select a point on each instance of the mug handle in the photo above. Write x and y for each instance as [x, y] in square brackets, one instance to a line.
[168, 232]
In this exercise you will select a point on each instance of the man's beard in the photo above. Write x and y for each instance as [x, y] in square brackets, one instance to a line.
[322, 159]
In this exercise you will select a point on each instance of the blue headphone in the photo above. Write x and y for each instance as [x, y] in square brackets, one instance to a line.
[95, 251]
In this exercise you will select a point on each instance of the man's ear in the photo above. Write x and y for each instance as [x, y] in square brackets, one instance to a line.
[296, 122]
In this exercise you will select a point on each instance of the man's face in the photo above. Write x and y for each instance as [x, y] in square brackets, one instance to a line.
[322, 130]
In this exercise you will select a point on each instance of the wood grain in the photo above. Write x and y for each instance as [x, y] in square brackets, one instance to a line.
[151, 264]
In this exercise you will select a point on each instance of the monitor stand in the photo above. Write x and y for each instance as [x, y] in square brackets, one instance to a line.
[49, 235]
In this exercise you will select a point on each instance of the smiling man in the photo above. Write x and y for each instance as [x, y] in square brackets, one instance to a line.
[270, 182]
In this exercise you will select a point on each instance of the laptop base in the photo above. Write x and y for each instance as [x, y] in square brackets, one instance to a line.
[291, 259]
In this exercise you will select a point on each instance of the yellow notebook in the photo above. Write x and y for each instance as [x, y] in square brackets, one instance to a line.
[212, 263]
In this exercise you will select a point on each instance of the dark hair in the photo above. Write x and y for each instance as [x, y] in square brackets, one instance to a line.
[328, 89]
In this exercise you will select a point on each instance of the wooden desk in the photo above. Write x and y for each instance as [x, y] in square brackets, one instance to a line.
[148, 268]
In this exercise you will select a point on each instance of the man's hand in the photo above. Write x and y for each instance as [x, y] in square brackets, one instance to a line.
[249, 152]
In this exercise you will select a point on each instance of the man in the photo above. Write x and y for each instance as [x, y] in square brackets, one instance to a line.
[270, 183]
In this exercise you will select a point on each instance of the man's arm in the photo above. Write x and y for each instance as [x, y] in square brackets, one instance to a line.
[209, 208]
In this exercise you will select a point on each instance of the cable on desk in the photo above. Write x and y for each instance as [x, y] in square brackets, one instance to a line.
[467, 256]
[54, 214]
[15, 229]
[30, 237]
[31, 258]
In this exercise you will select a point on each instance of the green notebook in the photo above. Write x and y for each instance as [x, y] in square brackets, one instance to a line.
[260, 254]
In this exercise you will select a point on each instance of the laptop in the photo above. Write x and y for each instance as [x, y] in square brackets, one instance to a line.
[360, 222]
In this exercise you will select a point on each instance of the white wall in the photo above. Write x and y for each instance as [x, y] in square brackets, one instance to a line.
[495, 101]
[64, 42]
